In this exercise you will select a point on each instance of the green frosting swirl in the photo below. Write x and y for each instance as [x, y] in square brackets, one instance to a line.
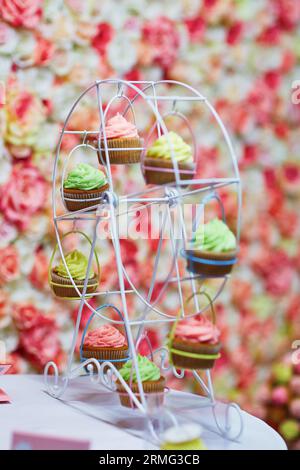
[214, 236]
[85, 177]
[77, 264]
[161, 148]
[148, 370]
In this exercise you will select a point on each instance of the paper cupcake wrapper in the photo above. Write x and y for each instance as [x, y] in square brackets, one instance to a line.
[155, 171]
[210, 264]
[83, 199]
[130, 153]
[149, 386]
[118, 356]
[63, 287]
[186, 355]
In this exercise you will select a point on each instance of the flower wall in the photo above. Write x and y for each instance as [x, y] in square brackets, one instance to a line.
[244, 56]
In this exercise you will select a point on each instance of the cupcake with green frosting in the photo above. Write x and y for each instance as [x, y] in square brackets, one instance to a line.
[77, 264]
[213, 249]
[151, 378]
[159, 164]
[83, 187]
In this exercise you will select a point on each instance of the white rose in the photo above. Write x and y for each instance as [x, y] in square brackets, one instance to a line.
[5, 67]
[268, 58]
[173, 10]
[122, 53]
[39, 80]
[46, 138]
[63, 61]
[52, 9]
[24, 53]
[38, 229]
[8, 39]
[63, 98]
[114, 13]
[8, 233]
[26, 248]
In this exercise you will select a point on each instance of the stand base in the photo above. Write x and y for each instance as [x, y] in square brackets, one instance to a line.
[88, 411]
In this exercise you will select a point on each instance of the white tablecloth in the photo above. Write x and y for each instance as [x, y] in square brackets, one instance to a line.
[86, 413]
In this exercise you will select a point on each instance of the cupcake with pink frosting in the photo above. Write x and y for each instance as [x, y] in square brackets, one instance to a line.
[105, 343]
[194, 343]
[123, 142]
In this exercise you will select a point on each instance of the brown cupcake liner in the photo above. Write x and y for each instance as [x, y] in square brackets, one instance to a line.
[193, 363]
[120, 157]
[107, 354]
[155, 176]
[149, 386]
[211, 270]
[82, 197]
[63, 287]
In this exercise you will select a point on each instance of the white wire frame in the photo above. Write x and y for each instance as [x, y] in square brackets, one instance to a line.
[208, 184]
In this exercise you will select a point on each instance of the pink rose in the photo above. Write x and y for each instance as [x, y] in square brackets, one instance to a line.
[17, 362]
[40, 343]
[9, 264]
[4, 304]
[39, 273]
[288, 13]
[21, 13]
[23, 195]
[44, 51]
[129, 250]
[154, 341]
[103, 37]
[250, 155]
[234, 33]
[162, 36]
[26, 316]
[196, 28]
[279, 282]
[270, 36]
[241, 292]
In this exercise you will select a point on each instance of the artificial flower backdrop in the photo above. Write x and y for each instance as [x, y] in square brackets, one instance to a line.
[244, 56]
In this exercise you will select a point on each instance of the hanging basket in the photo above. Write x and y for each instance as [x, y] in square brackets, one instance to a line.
[189, 355]
[76, 199]
[117, 356]
[63, 286]
[208, 263]
[159, 171]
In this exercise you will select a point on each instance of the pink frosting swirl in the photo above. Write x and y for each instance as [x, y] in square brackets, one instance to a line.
[197, 330]
[107, 336]
[118, 126]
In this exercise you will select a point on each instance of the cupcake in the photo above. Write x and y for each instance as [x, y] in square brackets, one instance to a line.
[83, 187]
[158, 164]
[121, 134]
[152, 380]
[183, 437]
[105, 344]
[77, 264]
[194, 343]
[213, 250]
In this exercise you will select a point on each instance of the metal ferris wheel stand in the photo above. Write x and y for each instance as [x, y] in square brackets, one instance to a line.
[172, 198]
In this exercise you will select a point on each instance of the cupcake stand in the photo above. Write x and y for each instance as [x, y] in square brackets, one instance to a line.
[149, 414]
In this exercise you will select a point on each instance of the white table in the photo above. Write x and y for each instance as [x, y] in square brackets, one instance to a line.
[85, 413]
